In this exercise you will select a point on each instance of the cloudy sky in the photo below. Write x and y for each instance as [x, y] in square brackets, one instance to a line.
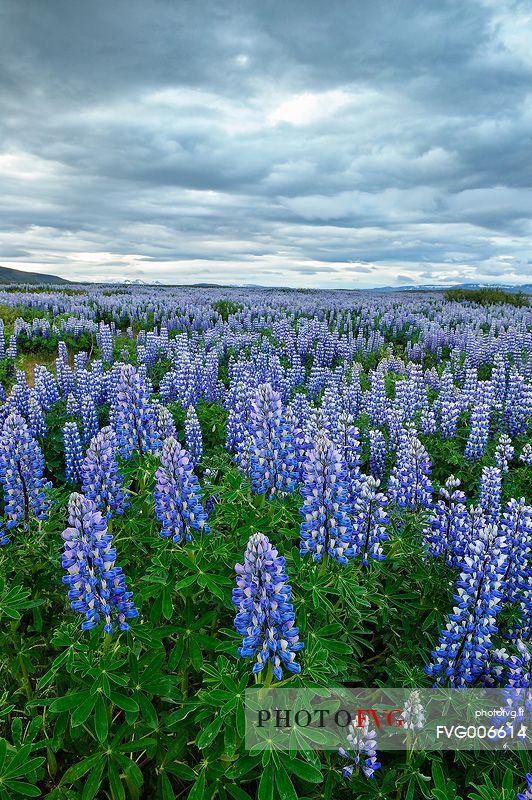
[295, 143]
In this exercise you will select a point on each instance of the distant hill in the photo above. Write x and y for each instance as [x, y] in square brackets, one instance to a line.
[8, 275]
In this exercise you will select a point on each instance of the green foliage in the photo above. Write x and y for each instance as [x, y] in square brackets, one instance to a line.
[488, 296]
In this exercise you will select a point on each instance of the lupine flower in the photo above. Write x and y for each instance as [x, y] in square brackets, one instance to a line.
[464, 644]
[504, 452]
[378, 402]
[370, 520]
[490, 493]
[413, 715]
[516, 524]
[448, 406]
[97, 587]
[72, 405]
[36, 421]
[102, 481]
[410, 485]
[89, 418]
[527, 795]
[479, 426]
[273, 466]
[193, 437]
[133, 415]
[21, 474]
[362, 749]
[326, 527]
[427, 422]
[526, 454]
[73, 452]
[165, 421]
[517, 405]
[448, 523]
[347, 439]
[177, 494]
[265, 615]
[377, 453]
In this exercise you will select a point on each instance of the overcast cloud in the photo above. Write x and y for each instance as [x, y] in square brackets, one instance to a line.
[289, 143]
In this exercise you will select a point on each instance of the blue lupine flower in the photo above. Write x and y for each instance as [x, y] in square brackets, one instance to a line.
[504, 452]
[370, 520]
[490, 493]
[73, 452]
[97, 587]
[362, 749]
[347, 439]
[133, 416]
[464, 644]
[177, 494]
[164, 421]
[377, 453]
[448, 405]
[526, 454]
[193, 437]
[527, 795]
[102, 481]
[72, 405]
[265, 615]
[377, 401]
[516, 525]
[36, 421]
[448, 523]
[89, 418]
[21, 474]
[517, 407]
[326, 528]
[272, 463]
[410, 485]
[479, 426]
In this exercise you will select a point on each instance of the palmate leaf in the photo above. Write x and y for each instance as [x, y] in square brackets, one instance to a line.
[14, 600]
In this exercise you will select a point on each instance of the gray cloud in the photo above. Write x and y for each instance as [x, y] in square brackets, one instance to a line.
[368, 143]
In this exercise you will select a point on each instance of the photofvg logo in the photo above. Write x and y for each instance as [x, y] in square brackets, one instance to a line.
[389, 719]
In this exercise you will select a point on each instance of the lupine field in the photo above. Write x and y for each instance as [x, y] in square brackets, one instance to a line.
[204, 490]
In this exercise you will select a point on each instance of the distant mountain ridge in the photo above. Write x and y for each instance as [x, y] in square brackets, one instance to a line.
[9, 275]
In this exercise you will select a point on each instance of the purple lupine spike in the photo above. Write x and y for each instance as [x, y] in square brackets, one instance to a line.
[73, 452]
[72, 405]
[89, 418]
[504, 452]
[36, 420]
[272, 461]
[479, 426]
[410, 485]
[102, 481]
[526, 454]
[370, 521]
[265, 617]
[26, 492]
[461, 655]
[97, 586]
[193, 437]
[361, 749]
[132, 415]
[377, 453]
[516, 525]
[347, 439]
[165, 421]
[448, 520]
[177, 494]
[490, 493]
[326, 528]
